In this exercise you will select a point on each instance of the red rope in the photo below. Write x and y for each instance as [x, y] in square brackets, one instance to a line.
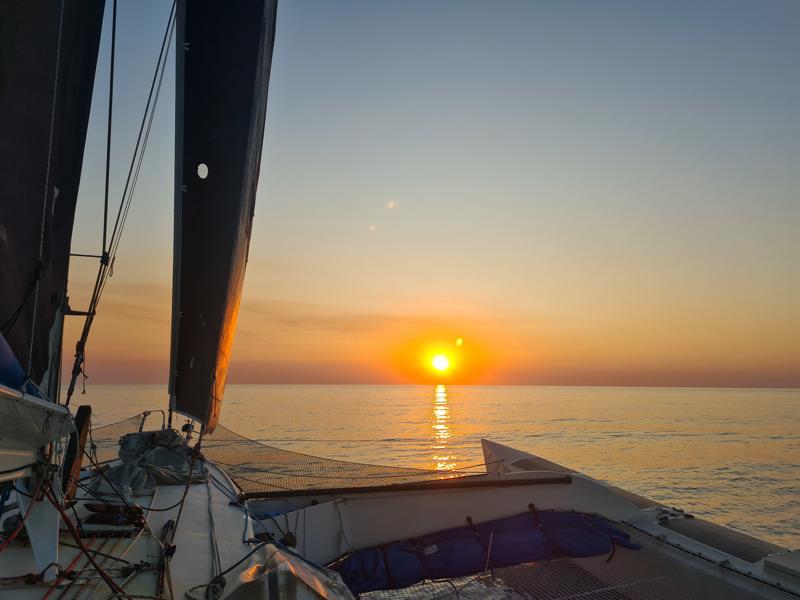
[77, 536]
[69, 568]
[15, 533]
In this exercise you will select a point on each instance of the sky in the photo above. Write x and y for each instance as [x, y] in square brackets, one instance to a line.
[585, 193]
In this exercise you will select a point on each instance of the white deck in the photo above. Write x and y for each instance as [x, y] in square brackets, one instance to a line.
[326, 526]
[190, 566]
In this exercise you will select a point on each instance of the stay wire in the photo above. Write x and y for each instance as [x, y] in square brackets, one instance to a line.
[89, 491]
[77, 537]
[98, 553]
[106, 479]
[161, 60]
[110, 246]
[136, 171]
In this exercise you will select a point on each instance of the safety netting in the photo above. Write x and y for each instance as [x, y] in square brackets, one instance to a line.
[645, 574]
[104, 440]
[260, 470]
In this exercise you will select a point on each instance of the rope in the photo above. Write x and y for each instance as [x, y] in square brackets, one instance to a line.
[89, 491]
[46, 183]
[12, 320]
[98, 553]
[66, 571]
[103, 475]
[86, 564]
[111, 245]
[215, 587]
[164, 46]
[122, 214]
[216, 561]
[189, 479]
[77, 536]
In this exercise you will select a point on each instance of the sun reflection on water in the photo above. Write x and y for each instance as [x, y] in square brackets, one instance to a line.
[443, 458]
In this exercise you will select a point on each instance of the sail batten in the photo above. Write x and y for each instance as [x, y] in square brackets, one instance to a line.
[222, 74]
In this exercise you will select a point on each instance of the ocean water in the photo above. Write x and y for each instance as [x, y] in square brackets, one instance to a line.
[730, 455]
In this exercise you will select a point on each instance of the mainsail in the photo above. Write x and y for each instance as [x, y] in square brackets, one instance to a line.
[223, 65]
[48, 55]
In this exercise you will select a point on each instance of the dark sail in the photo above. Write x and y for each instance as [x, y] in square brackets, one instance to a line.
[48, 55]
[223, 66]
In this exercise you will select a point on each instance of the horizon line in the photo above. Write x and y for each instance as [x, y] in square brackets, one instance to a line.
[540, 385]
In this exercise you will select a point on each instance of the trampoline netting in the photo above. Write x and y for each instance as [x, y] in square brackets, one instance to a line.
[260, 470]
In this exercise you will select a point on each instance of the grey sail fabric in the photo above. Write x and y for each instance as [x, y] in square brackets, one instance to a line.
[149, 459]
[48, 55]
[223, 65]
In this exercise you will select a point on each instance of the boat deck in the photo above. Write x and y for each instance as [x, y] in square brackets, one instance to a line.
[209, 523]
[646, 574]
[736, 543]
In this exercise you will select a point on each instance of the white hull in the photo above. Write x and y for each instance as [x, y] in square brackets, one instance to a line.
[352, 520]
[216, 530]
[26, 424]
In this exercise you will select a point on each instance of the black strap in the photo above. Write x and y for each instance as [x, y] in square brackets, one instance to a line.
[532, 508]
[486, 546]
[386, 567]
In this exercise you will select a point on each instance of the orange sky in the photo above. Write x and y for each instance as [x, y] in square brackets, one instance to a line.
[604, 200]
[294, 342]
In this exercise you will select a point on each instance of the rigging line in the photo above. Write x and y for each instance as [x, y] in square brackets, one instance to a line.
[5, 328]
[418, 474]
[107, 556]
[179, 503]
[195, 452]
[121, 556]
[84, 567]
[90, 491]
[108, 129]
[106, 261]
[274, 521]
[46, 183]
[147, 524]
[98, 553]
[216, 560]
[77, 536]
[69, 568]
[164, 45]
[228, 493]
[106, 479]
[89, 580]
[136, 160]
[117, 238]
[215, 583]
[342, 463]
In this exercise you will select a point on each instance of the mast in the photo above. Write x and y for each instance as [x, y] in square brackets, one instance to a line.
[224, 56]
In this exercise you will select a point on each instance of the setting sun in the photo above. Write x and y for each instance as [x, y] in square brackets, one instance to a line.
[440, 362]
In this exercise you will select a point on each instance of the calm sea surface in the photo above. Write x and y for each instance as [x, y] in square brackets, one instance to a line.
[732, 456]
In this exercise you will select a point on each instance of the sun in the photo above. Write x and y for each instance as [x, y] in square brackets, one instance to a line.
[440, 362]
